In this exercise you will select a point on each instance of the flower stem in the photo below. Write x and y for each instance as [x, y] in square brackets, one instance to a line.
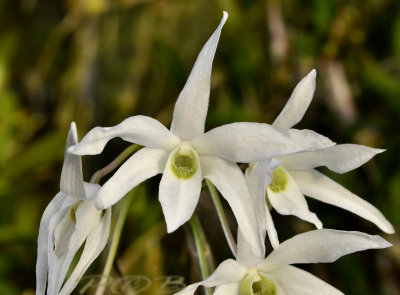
[115, 242]
[222, 217]
[200, 244]
[115, 163]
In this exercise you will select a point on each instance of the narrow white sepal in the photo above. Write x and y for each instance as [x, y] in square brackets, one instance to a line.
[322, 245]
[339, 158]
[320, 187]
[142, 165]
[230, 182]
[142, 130]
[246, 142]
[191, 107]
[298, 102]
[44, 235]
[71, 176]
[95, 243]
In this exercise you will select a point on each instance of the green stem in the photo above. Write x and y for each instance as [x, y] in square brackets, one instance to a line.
[222, 217]
[115, 163]
[115, 242]
[200, 244]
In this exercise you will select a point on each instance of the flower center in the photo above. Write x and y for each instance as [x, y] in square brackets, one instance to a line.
[279, 180]
[184, 161]
[255, 283]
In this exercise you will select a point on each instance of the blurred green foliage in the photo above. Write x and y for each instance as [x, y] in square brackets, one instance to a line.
[96, 62]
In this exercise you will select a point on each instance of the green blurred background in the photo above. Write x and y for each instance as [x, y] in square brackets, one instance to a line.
[97, 62]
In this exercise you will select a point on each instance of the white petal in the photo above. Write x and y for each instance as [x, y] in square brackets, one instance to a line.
[142, 130]
[249, 142]
[320, 187]
[258, 176]
[191, 107]
[91, 190]
[298, 102]
[42, 263]
[62, 251]
[291, 201]
[71, 176]
[228, 289]
[69, 237]
[295, 281]
[230, 182]
[245, 256]
[179, 197]
[322, 245]
[95, 243]
[87, 218]
[340, 158]
[227, 272]
[140, 166]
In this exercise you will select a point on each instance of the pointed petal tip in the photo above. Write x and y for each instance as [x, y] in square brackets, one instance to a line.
[224, 16]
[389, 229]
[171, 228]
[72, 134]
[382, 243]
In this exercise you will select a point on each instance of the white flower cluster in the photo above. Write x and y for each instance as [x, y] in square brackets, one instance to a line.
[282, 163]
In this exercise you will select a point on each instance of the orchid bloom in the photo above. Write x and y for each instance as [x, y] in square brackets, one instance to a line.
[69, 220]
[186, 155]
[294, 175]
[274, 275]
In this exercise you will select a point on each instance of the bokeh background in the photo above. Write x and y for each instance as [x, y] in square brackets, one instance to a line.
[97, 62]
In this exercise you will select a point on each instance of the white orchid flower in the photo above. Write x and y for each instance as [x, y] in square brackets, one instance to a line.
[294, 175]
[69, 220]
[186, 155]
[274, 275]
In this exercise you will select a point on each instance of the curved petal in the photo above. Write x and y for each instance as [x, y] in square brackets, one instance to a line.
[339, 158]
[70, 235]
[298, 102]
[249, 142]
[95, 243]
[232, 288]
[142, 130]
[322, 245]
[258, 176]
[140, 166]
[245, 256]
[178, 196]
[289, 200]
[71, 176]
[91, 189]
[295, 281]
[320, 187]
[42, 262]
[62, 250]
[191, 107]
[229, 180]
[228, 272]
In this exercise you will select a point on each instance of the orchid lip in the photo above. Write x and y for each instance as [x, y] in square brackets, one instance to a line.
[184, 161]
[279, 180]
